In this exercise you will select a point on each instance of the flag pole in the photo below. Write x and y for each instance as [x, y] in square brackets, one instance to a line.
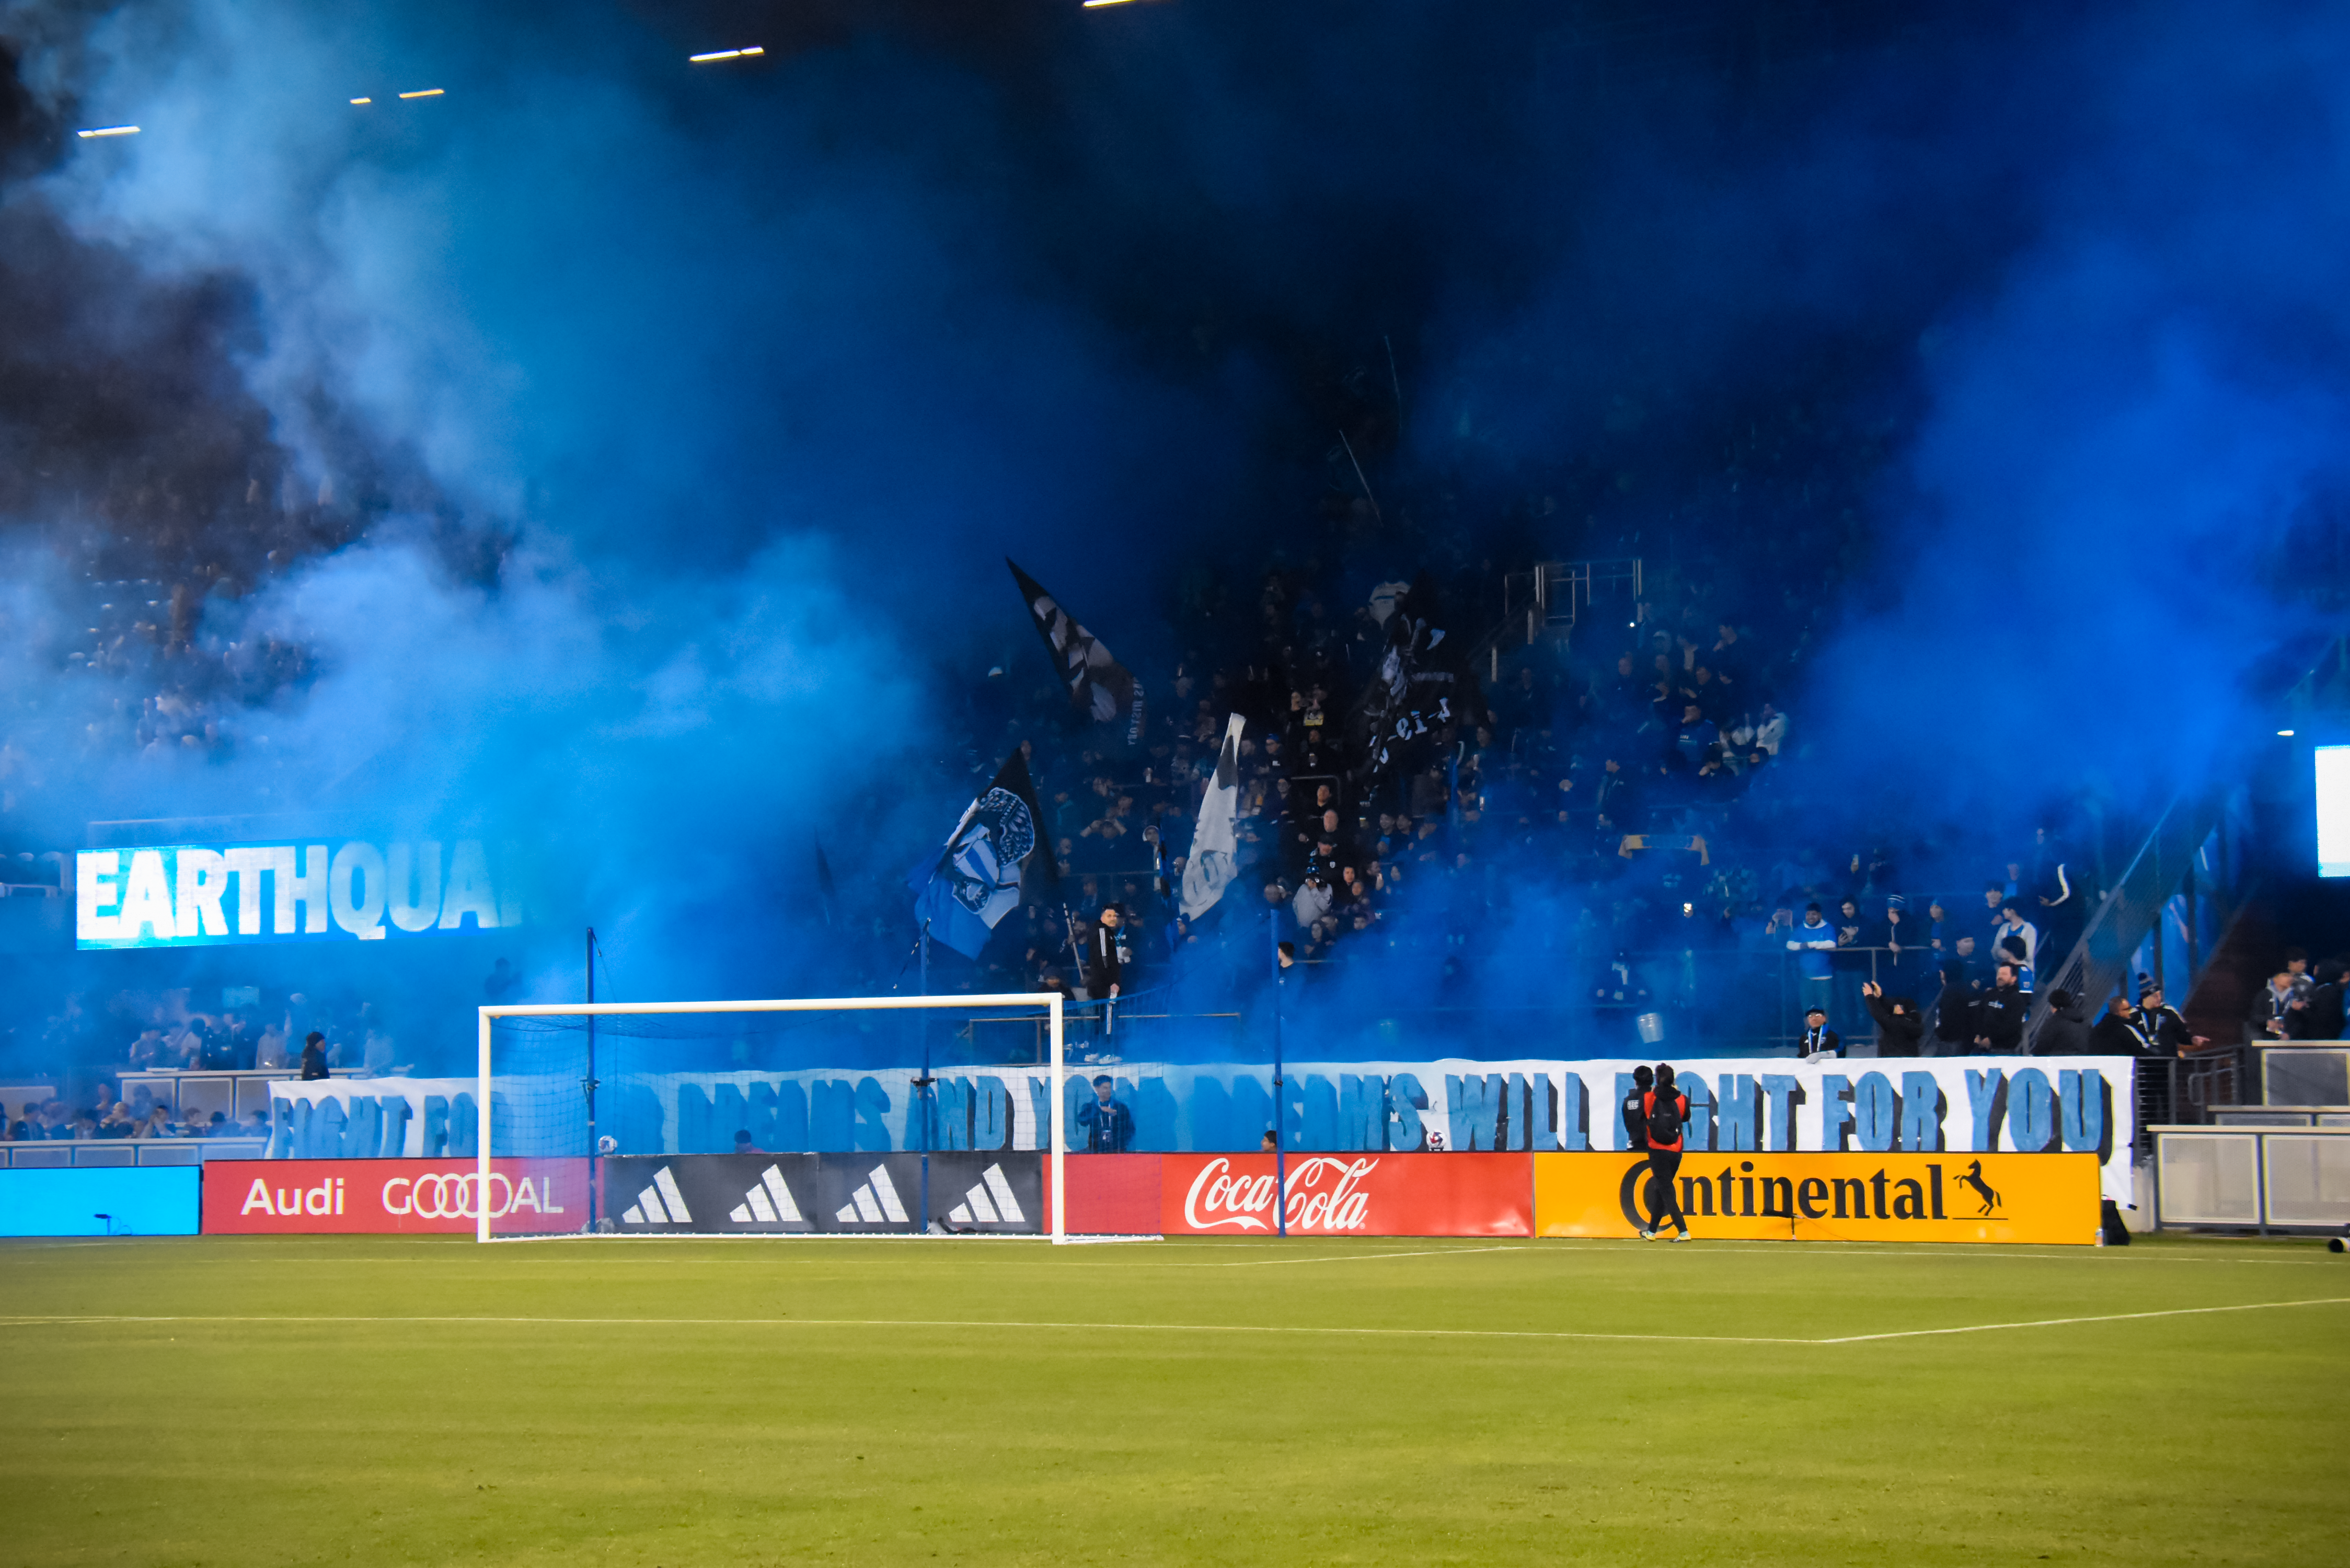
[922, 1085]
[1280, 1143]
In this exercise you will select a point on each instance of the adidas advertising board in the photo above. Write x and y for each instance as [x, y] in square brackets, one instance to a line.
[388, 1197]
[843, 1194]
[1958, 1197]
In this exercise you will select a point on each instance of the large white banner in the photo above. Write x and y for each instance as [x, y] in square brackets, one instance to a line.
[1984, 1105]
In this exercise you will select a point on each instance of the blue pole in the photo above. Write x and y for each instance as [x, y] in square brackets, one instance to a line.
[1280, 1143]
[922, 1091]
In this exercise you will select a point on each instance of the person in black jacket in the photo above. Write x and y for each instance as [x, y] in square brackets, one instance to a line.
[2164, 1026]
[1999, 1014]
[314, 1057]
[2326, 1000]
[1817, 1038]
[2064, 1032]
[1108, 1124]
[1102, 960]
[1636, 1115]
[1899, 1026]
[2122, 1032]
[1954, 1010]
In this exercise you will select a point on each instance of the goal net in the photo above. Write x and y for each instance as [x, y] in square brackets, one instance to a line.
[859, 1116]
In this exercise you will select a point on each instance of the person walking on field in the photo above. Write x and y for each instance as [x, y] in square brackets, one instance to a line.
[1667, 1110]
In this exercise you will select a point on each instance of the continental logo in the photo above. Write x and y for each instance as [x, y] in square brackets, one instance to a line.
[1858, 1197]
[1876, 1196]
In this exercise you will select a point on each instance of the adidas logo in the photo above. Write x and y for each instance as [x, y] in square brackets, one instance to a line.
[658, 1204]
[989, 1203]
[872, 1202]
[769, 1201]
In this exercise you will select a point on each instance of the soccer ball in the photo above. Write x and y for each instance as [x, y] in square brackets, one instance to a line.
[1436, 1143]
[607, 1145]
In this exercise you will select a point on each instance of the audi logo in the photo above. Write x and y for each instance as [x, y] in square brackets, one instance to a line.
[447, 1195]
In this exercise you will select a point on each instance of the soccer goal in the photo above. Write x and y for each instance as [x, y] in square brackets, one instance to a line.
[889, 1115]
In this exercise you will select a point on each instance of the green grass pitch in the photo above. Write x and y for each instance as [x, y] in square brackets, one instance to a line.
[394, 1401]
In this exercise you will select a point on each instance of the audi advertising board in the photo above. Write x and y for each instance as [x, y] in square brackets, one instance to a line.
[383, 1197]
[1348, 1195]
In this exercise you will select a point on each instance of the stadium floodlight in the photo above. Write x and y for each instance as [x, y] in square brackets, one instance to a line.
[108, 130]
[363, 100]
[750, 52]
[878, 1115]
[424, 92]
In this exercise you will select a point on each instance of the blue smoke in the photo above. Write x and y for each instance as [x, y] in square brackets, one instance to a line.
[741, 381]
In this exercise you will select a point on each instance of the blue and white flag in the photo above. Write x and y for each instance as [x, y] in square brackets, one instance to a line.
[975, 880]
[1213, 842]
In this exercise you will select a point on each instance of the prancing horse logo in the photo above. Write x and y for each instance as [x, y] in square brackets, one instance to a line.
[1973, 1177]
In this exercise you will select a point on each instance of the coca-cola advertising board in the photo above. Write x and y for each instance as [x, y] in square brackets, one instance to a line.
[1349, 1195]
[386, 1197]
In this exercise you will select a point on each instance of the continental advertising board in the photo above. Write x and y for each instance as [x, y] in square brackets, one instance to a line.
[1889, 1197]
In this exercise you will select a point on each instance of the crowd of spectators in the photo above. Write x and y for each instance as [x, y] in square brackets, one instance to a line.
[138, 1116]
[171, 1031]
[1639, 789]
[1542, 780]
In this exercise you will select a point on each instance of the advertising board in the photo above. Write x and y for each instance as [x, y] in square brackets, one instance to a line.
[1347, 1195]
[1886, 1197]
[199, 895]
[389, 1197]
[154, 1200]
[786, 1194]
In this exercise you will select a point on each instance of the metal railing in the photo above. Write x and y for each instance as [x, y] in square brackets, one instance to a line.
[1553, 594]
[2099, 964]
[119, 1153]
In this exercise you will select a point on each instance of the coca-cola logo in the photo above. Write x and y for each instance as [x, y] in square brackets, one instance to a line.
[1325, 1194]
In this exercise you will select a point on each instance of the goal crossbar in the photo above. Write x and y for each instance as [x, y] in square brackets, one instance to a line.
[1050, 1001]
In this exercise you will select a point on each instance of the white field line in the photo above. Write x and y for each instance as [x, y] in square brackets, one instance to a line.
[29, 1321]
[2060, 1321]
[1352, 1258]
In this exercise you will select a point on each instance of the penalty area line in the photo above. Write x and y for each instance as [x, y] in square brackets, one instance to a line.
[2062, 1322]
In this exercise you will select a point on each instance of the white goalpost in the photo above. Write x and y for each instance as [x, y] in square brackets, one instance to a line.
[572, 1098]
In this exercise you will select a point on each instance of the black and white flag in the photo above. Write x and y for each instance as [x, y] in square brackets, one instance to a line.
[975, 880]
[1209, 869]
[1099, 686]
